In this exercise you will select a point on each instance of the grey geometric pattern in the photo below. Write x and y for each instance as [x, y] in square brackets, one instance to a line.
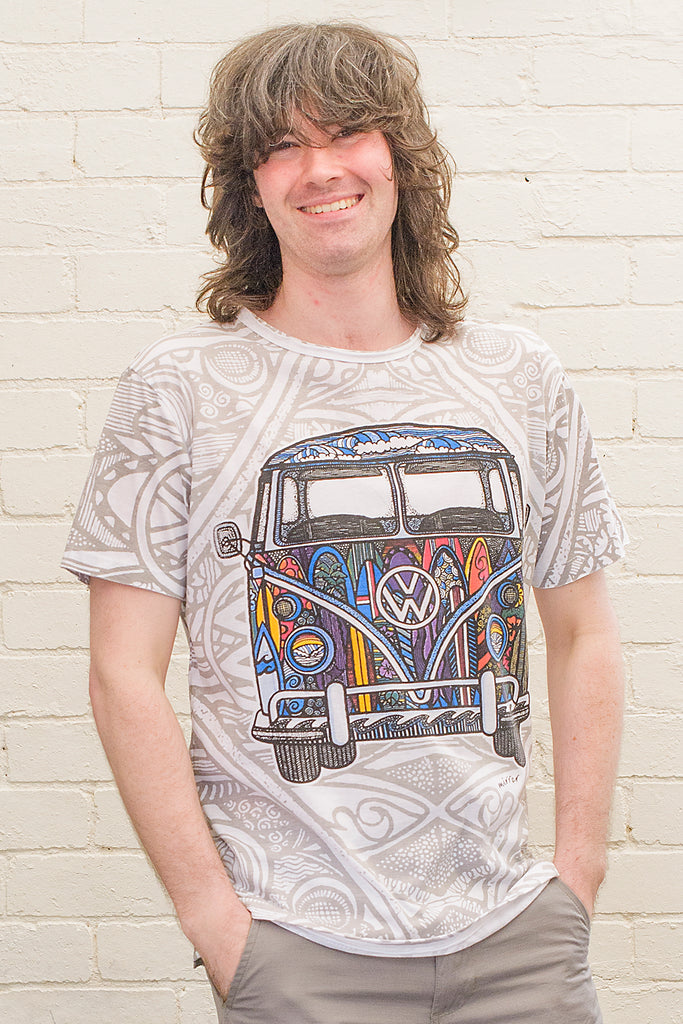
[420, 837]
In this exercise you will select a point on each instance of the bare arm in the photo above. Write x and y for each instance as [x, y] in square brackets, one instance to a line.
[131, 638]
[585, 689]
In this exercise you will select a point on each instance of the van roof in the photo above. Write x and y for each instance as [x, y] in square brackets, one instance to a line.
[377, 443]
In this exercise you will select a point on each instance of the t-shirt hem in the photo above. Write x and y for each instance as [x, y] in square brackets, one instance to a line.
[615, 554]
[539, 876]
[86, 573]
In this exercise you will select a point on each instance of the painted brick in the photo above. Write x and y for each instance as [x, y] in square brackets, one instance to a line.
[657, 140]
[186, 217]
[657, 812]
[608, 402]
[47, 751]
[30, 552]
[552, 274]
[557, 140]
[44, 952]
[42, 21]
[185, 73]
[46, 619]
[139, 280]
[143, 952]
[155, 1005]
[44, 818]
[659, 949]
[536, 18]
[81, 884]
[643, 606]
[113, 147]
[611, 948]
[625, 338]
[36, 149]
[176, 684]
[651, 746]
[113, 827]
[39, 418]
[656, 678]
[477, 73]
[660, 408]
[44, 684]
[640, 1006]
[541, 815]
[411, 19]
[618, 205]
[646, 475]
[97, 407]
[81, 215]
[663, 18]
[643, 882]
[4, 868]
[492, 211]
[657, 271]
[616, 72]
[76, 77]
[196, 1001]
[153, 22]
[655, 543]
[73, 349]
[42, 484]
[39, 283]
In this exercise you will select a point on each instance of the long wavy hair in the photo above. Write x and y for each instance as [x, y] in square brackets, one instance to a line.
[334, 74]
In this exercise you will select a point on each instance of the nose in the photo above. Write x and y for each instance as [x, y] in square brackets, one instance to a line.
[321, 164]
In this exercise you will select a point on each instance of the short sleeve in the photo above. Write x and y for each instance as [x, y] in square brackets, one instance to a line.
[131, 521]
[581, 530]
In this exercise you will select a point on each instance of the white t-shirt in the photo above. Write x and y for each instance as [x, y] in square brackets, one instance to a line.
[351, 535]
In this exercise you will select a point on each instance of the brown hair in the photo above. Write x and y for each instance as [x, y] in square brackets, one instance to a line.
[335, 74]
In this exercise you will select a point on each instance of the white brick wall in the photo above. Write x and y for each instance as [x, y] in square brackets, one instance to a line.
[566, 123]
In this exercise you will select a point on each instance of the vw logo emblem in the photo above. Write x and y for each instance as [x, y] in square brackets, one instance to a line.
[407, 596]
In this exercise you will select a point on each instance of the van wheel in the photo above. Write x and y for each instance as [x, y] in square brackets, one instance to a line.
[298, 762]
[507, 742]
[333, 756]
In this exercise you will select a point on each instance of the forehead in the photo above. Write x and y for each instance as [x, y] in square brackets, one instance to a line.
[311, 132]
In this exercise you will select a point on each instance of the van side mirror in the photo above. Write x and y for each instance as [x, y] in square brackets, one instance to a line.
[228, 540]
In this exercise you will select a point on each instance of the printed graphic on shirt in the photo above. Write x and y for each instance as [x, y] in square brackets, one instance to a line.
[385, 594]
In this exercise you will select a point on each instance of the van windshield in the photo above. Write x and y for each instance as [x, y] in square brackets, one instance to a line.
[451, 497]
[317, 504]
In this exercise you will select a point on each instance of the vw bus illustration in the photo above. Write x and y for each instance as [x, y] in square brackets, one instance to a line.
[385, 593]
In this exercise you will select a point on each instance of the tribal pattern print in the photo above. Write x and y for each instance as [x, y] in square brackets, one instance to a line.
[351, 535]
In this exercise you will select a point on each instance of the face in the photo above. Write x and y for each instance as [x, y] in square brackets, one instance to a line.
[331, 200]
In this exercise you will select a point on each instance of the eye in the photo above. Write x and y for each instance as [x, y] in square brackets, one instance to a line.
[347, 133]
[282, 145]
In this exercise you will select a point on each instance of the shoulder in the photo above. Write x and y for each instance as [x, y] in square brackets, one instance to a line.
[493, 348]
[189, 348]
[488, 337]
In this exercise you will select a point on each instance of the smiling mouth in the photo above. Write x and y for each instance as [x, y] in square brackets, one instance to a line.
[340, 204]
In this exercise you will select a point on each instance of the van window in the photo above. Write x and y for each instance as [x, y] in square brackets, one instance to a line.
[451, 498]
[336, 503]
[498, 499]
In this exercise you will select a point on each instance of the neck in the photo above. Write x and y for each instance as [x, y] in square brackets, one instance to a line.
[345, 312]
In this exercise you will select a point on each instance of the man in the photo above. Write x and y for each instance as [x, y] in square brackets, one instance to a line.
[344, 488]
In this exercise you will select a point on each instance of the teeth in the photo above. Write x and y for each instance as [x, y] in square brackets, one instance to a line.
[341, 204]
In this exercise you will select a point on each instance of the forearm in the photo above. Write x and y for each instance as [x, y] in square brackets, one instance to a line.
[148, 755]
[585, 688]
[586, 713]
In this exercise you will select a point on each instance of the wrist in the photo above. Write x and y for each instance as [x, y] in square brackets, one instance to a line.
[210, 908]
[584, 878]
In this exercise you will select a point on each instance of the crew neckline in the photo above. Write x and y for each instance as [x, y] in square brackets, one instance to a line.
[260, 327]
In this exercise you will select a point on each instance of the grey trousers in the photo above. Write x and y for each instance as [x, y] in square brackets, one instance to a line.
[533, 971]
